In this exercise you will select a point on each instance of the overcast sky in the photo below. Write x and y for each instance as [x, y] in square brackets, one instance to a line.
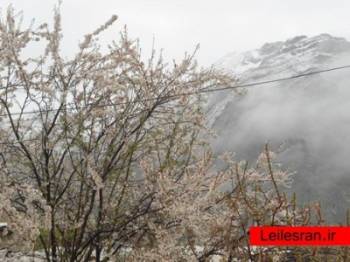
[220, 26]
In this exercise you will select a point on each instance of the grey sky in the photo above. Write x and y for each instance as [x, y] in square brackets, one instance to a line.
[220, 26]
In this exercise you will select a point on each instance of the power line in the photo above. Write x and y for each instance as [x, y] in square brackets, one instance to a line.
[179, 95]
[278, 79]
[204, 90]
[38, 139]
[17, 142]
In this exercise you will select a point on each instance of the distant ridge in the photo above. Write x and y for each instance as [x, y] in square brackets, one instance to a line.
[306, 120]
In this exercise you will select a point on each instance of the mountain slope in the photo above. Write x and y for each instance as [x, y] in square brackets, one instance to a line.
[306, 120]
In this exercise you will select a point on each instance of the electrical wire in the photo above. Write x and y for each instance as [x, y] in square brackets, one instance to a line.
[204, 90]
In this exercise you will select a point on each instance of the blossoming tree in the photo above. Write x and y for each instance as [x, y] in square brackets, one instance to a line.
[103, 156]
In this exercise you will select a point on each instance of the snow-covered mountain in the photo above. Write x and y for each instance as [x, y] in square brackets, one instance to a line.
[307, 120]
